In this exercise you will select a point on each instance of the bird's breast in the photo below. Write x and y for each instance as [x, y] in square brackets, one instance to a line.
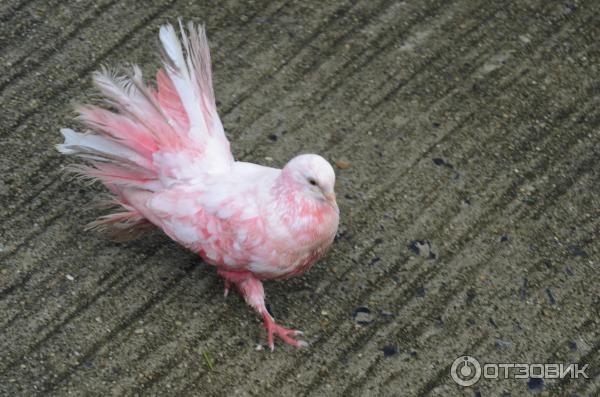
[309, 235]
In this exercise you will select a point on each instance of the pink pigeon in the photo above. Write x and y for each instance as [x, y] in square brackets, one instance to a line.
[164, 156]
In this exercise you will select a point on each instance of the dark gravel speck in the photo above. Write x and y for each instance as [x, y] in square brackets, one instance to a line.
[523, 289]
[471, 295]
[569, 271]
[570, 7]
[551, 298]
[343, 235]
[441, 162]
[269, 309]
[389, 350]
[374, 261]
[362, 315]
[535, 384]
[422, 248]
[577, 251]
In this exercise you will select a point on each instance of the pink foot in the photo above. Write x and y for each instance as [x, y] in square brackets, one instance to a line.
[251, 289]
[284, 333]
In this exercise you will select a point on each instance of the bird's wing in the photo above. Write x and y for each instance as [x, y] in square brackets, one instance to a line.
[223, 217]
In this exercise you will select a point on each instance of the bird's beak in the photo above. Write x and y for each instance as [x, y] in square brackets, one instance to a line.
[330, 197]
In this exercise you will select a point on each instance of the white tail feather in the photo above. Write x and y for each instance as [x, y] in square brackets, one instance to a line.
[155, 138]
[191, 76]
[167, 135]
[98, 148]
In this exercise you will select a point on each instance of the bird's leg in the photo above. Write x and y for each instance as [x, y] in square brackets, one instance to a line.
[252, 290]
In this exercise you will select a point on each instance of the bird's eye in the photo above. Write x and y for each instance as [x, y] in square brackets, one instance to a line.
[312, 181]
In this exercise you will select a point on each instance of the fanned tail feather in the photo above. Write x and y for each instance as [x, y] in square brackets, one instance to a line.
[150, 135]
[190, 75]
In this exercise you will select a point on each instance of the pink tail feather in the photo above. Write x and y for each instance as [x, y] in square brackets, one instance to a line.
[178, 120]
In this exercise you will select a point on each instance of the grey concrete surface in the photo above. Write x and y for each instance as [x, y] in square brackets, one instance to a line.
[472, 126]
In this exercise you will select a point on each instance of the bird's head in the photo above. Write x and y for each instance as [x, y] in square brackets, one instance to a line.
[313, 176]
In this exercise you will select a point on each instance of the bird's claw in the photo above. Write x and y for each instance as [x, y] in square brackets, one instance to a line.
[285, 334]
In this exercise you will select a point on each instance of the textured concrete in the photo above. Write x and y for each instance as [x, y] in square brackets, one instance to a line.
[472, 126]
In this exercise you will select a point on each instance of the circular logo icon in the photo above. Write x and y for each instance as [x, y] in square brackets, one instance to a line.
[465, 371]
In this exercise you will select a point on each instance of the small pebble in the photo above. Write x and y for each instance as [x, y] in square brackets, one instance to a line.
[69, 277]
[374, 261]
[535, 384]
[577, 251]
[342, 165]
[441, 162]
[502, 344]
[422, 248]
[551, 298]
[525, 39]
[389, 350]
[362, 316]
[471, 295]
